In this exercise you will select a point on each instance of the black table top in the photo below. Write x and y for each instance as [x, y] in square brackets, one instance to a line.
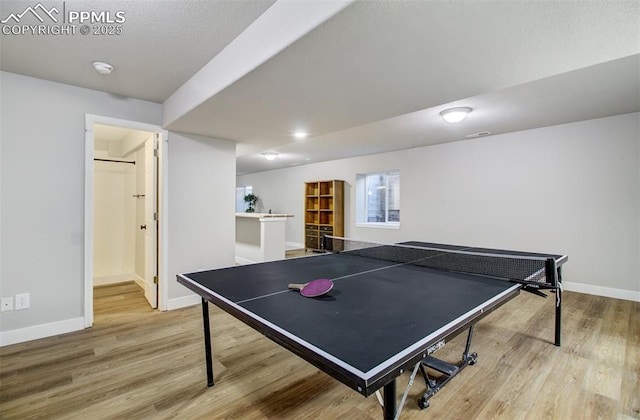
[379, 317]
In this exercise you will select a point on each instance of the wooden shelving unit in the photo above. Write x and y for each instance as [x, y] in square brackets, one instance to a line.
[323, 211]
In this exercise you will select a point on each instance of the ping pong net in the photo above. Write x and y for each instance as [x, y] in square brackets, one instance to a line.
[534, 271]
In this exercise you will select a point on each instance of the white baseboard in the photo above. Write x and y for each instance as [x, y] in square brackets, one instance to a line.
[183, 302]
[117, 278]
[74, 324]
[589, 289]
[293, 245]
[40, 331]
[243, 261]
[140, 282]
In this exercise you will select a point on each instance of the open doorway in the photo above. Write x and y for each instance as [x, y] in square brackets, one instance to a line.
[123, 203]
[124, 208]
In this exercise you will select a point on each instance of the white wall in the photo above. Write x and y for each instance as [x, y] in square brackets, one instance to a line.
[42, 141]
[119, 243]
[201, 208]
[42, 176]
[114, 220]
[572, 189]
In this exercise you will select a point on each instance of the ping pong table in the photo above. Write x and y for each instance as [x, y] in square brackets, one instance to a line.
[391, 307]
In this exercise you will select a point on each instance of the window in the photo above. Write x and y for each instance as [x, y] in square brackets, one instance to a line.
[378, 199]
[241, 206]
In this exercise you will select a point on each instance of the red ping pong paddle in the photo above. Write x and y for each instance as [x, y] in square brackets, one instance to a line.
[314, 288]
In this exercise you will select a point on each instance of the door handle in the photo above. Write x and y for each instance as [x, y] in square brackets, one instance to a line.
[143, 227]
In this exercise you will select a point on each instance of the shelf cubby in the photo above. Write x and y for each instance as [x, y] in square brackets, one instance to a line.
[324, 211]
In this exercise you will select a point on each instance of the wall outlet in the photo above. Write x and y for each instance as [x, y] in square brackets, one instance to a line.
[6, 304]
[23, 301]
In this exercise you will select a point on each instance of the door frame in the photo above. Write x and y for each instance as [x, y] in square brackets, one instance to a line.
[162, 239]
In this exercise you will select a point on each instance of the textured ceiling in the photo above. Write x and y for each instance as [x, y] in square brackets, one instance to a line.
[606, 89]
[369, 77]
[375, 62]
[163, 43]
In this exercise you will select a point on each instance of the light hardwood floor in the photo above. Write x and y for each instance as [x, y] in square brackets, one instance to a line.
[139, 363]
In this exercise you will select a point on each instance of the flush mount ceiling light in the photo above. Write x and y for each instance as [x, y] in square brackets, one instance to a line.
[300, 135]
[270, 155]
[102, 68]
[455, 115]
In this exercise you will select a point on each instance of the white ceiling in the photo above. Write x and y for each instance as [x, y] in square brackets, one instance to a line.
[163, 43]
[104, 137]
[362, 77]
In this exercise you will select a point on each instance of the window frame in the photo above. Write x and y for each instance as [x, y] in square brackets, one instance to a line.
[361, 202]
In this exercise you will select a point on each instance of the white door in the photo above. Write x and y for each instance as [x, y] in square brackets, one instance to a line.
[151, 222]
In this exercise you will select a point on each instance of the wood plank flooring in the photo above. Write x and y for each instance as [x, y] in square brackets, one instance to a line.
[137, 363]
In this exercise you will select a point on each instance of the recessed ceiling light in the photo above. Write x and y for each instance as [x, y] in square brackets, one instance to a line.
[300, 135]
[102, 68]
[455, 115]
[270, 155]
